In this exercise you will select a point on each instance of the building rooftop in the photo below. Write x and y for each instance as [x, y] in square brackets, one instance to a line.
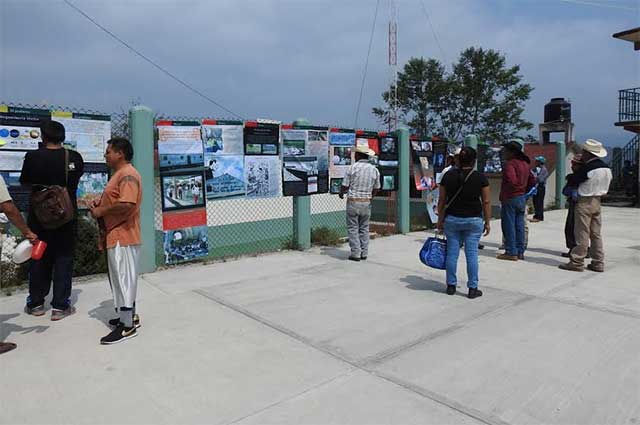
[632, 35]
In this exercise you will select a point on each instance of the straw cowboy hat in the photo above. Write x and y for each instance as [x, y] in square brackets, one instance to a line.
[594, 147]
[365, 150]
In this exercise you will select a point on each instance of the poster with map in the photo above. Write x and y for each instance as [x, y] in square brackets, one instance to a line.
[85, 133]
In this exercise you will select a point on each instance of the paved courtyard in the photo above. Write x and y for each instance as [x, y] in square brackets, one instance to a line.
[310, 338]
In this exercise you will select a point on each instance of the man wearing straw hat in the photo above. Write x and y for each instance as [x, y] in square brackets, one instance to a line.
[11, 211]
[592, 179]
[360, 183]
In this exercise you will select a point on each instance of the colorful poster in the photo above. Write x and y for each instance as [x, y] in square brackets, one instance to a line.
[222, 137]
[422, 156]
[86, 134]
[262, 176]
[342, 138]
[293, 142]
[179, 138]
[261, 138]
[90, 188]
[20, 127]
[342, 157]
[182, 191]
[185, 244]
[492, 159]
[224, 176]
[431, 198]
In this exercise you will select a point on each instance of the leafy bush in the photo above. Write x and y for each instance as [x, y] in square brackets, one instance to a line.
[325, 236]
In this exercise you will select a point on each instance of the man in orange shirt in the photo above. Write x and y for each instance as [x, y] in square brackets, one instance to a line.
[118, 213]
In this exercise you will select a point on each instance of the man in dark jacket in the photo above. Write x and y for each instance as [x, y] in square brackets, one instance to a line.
[516, 181]
[49, 166]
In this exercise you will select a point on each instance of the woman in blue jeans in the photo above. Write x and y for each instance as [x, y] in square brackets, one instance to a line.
[464, 212]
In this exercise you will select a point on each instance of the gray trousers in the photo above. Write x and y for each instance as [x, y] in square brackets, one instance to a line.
[358, 215]
[124, 267]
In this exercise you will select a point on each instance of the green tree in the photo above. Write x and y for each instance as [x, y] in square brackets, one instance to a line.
[481, 95]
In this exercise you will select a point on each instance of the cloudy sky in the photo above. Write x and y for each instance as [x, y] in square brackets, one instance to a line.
[284, 59]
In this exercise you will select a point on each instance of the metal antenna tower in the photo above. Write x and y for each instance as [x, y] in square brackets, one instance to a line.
[393, 65]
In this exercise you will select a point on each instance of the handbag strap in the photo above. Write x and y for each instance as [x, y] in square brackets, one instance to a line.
[448, 204]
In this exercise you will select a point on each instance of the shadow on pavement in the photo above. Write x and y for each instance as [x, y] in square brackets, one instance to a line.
[104, 312]
[7, 329]
[418, 283]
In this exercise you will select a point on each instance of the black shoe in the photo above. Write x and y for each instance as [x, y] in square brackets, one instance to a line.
[451, 289]
[352, 258]
[363, 257]
[474, 293]
[119, 334]
[480, 246]
[566, 254]
[136, 321]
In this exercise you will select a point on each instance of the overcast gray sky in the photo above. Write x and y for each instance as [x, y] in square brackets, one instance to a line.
[284, 59]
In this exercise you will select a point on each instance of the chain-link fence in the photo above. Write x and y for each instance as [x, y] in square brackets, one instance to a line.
[88, 260]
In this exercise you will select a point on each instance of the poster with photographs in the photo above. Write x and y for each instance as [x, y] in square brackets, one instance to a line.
[439, 156]
[388, 156]
[318, 147]
[339, 137]
[222, 137]
[179, 137]
[293, 142]
[224, 176]
[431, 198]
[335, 184]
[342, 157]
[185, 244]
[490, 159]
[91, 184]
[261, 138]
[300, 175]
[182, 191]
[421, 162]
[87, 134]
[262, 175]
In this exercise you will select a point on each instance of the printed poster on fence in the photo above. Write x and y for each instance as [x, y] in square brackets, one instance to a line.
[87, 134]
[222, 137]
[186, 244]
[91, 184]
[182, 175]
[261, 138]
[342, 144]
[224, 176]
[262, 176]
[422, 156]
[305, 161]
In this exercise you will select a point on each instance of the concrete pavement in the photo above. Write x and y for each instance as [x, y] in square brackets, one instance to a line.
[310, 338]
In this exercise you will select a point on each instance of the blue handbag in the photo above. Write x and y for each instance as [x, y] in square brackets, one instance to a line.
[434, 252]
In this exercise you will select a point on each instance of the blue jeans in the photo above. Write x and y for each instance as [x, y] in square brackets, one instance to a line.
[469, 231]
[512, 214]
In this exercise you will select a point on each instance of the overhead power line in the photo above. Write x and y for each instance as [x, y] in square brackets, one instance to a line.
[607, 5]
[433, 31]
[366, 64]
[152, 62]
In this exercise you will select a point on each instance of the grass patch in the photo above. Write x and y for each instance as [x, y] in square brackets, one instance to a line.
[325, 236]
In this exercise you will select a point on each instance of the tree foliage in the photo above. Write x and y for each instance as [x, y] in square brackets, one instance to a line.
[480, 95]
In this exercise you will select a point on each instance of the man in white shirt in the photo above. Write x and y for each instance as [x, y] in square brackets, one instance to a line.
[592, 180]
[360, 183]
[9, 209]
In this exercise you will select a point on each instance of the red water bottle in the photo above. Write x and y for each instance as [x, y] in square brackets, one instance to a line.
[38, 249]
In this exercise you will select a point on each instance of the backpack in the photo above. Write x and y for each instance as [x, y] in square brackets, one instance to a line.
[52, 205]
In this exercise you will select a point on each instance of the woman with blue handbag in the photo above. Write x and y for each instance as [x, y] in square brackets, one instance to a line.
[464, 214]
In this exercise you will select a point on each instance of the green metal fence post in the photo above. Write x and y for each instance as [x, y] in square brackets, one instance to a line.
[403, 203]
[302, 222]
[141, 131]
[561, 172]
[471, 140]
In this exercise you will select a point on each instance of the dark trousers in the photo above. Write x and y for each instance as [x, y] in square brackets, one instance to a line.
[569, 224]
[56, 265]
[538, 202]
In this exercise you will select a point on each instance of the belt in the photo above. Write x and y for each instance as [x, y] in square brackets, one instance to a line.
[359, 199]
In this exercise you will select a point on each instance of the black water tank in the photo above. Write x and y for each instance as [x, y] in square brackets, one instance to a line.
[557, 110]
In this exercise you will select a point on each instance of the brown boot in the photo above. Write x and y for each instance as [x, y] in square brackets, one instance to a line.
[595, 269]
[571, 267]
[507, 257]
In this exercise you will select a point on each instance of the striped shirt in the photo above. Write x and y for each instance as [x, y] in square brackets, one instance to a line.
[361, 178]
